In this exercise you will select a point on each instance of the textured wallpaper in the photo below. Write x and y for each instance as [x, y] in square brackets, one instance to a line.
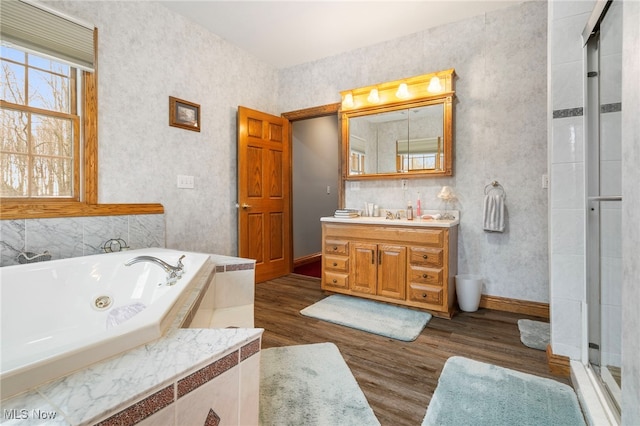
[500, 133]
[146, 53]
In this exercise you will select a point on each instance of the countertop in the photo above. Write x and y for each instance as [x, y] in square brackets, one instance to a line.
[368, 220]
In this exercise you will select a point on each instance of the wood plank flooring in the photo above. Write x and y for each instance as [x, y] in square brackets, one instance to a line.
[398, 378]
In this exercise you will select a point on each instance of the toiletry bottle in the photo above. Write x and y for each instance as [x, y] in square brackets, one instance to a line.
[418, 209]
[409, 211]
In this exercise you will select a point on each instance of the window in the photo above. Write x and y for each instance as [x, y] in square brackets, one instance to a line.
[39, 127]
[49, 118]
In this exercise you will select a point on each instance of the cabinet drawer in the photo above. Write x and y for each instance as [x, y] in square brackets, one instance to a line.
[336, 247]
[421, 275]
[336, 279]
[426, 256]
[337, 263]
[425, 294]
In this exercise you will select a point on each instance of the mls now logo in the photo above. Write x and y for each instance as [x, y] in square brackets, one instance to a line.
[24, 414]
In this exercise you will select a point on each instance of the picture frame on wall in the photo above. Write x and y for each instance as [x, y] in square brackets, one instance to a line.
[184, 114]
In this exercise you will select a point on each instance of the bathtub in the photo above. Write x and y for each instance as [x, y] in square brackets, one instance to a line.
[62, 315]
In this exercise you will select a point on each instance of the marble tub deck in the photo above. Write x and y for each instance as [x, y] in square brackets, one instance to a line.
[148, 377]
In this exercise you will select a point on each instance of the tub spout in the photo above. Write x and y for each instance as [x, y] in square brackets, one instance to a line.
[173, 272]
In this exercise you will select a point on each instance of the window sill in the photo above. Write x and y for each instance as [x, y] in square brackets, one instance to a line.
[13, 210]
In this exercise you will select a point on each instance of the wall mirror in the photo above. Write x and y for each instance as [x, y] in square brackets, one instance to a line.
[399, 129]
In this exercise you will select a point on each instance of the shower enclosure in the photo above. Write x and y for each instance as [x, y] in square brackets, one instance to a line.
[603, 106]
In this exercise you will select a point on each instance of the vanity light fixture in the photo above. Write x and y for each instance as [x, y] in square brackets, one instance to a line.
[348, 100]
[434, 85]
[403, 91]
[374, 98]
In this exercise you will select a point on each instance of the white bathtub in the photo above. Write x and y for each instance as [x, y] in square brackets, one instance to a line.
[52, 326]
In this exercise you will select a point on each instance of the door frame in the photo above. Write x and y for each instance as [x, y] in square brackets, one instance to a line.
[305, 114]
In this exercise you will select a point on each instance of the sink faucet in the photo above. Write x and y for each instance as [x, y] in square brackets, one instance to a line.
[174, 273]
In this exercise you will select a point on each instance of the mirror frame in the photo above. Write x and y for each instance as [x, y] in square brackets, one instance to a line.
[356, 104]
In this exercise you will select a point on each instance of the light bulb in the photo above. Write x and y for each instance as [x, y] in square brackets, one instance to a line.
[403, 91]
[434, 85]
[373, 96]
[348, 100]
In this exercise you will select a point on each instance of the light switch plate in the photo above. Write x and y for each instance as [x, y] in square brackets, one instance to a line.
[185, 182]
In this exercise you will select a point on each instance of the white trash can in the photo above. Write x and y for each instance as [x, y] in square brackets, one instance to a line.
[468, 290]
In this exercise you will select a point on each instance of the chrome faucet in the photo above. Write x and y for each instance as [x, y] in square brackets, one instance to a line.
[174, 273]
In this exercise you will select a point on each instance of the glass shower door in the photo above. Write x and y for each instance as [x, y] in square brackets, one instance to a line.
[604, 188]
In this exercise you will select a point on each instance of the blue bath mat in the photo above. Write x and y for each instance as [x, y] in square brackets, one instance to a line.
[479, 394]
[367, 315]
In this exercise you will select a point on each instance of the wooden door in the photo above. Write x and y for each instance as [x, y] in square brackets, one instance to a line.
[264, 192]
[363, 259]
[392, 278]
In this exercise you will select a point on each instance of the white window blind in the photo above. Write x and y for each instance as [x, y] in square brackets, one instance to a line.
[45, 32]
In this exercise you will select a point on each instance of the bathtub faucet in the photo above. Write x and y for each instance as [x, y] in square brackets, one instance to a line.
[174, 273]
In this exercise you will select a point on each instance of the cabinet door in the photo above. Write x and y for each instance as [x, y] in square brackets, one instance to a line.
[364, 259]
[392, 261]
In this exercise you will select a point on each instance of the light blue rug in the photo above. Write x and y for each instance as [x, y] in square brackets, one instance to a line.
[367, 315]
[534, 334]
[310, 385]
[474, 393]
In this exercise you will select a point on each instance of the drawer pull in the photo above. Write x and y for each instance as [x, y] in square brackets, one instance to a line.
[425, 276]
[335, 248]
[424, 256]
[335, 281]
[424, 294]
[335, 264]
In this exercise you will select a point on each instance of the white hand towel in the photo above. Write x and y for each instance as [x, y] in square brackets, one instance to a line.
[494, 213]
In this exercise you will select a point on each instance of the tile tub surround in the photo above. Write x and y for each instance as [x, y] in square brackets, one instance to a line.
[152, 379]
[229, 300]
[77, 236]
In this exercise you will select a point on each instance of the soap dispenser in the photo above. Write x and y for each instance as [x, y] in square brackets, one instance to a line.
[409, 211]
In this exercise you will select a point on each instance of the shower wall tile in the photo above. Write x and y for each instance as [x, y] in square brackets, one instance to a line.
[610, 79]
[78, 236]
[611, 232]
[567, 276]
[62, 237]
[567, 38]
[610, 178]
[611, 131]
[12, 240]
[567, 339]
[98, 230]
[611, 278]
[568, 140]
[611, 33]
[567, 232]
[564, 9]
[567, 184]
[612, 334]
[569, 195]
[567, 83]
[146, 231]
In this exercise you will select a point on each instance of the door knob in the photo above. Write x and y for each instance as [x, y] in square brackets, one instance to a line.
[246, 206]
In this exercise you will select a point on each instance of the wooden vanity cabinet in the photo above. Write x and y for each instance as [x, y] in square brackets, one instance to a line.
[407, 265]
[335, 264]
[378, 269]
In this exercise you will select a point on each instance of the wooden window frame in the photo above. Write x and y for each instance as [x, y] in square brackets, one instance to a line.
[87, 204]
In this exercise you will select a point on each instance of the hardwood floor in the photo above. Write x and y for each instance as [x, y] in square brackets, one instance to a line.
[398, 378]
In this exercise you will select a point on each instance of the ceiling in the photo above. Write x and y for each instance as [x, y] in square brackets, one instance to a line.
[287, 33]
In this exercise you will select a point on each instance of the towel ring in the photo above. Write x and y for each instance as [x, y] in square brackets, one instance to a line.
[495, 186]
